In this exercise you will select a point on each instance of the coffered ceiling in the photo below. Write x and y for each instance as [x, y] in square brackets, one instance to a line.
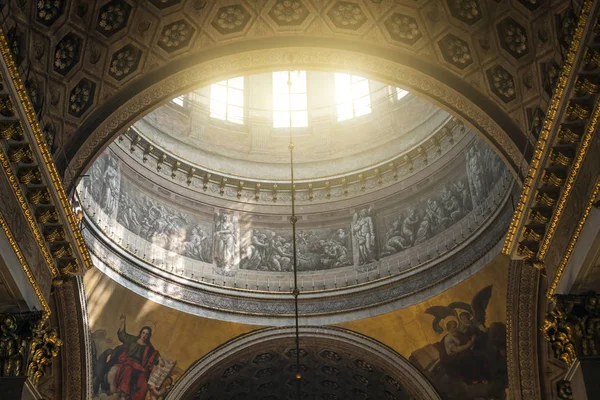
[83, 60]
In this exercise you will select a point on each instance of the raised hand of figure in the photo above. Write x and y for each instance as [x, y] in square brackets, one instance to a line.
[122, 318]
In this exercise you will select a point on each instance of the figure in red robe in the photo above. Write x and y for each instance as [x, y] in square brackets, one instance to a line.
[135, 363]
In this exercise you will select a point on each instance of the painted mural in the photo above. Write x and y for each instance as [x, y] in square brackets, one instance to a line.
[318, 249]
[133, 369]
[419, 222]
[140, 349]
[456, 339]
[469, 361]
[366, 236]
[174, 230]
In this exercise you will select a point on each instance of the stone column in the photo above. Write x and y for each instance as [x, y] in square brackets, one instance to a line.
[572, 328]
[27, 346]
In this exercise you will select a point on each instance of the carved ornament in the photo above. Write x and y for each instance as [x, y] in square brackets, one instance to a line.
[27, 345]
[572, 327]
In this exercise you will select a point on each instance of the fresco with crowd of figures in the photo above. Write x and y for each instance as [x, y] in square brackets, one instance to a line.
[318, 249]
[367, 236]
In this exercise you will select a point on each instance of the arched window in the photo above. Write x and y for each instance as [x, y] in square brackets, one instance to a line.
[227, 100]
[352, 96]
[289, 99]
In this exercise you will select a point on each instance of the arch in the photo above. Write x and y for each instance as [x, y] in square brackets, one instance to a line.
[262, 340]
[432, 82]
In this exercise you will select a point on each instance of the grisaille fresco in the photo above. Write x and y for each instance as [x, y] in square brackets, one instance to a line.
[171, 229]
[227, 234]
[367, 235]
[416, 223]
[318, 249]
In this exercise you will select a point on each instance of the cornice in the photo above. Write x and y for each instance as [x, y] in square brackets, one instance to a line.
[318, 189]
[34, 179]
[25, 266]
[549, 126]
[573, 240]
[564, 140]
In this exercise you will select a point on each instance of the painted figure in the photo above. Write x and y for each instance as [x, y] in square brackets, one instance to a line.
[110, 190]
[135, 362]
[476, 176]
[226, 242]
[364, 233]
[471, 362]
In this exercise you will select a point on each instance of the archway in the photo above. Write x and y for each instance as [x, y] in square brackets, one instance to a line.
[334, 362]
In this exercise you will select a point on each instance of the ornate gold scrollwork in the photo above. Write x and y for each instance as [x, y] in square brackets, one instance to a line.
[539, 216]
[38, 196]
[27, 345]
[533, 234]
[566, 135]
[44, 346]
[11, 130]
[525, 250]
[576, 111]
[55, 234]
[61, 251]
[560, 158]
[551, 178]
[68, 267]
[29, 175]
[591, 59]
[47, 215]
[6, 107]
[585, 86]
[544, 198]
[18, 154]
[572, 327]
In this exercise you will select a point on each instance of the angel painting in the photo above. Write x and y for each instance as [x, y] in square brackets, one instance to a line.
[469, 362]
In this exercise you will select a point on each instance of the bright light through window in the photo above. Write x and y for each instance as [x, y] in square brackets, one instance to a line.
[289, 101]
[178, 101]
[352, 96]
[400, 93]
[227, 100]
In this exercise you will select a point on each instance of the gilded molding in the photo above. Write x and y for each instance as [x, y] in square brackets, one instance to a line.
[46, 156]
[581, 152]
[522, 331]
[28, 345]
[542, 143]
[39, 238]
[573, 241]
[23, 262]
[571, 327]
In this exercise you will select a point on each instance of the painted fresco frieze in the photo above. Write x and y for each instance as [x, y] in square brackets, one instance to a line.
[247, 241]
[318, 249]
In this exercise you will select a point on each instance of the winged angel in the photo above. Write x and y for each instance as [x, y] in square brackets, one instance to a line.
[469, 317]
[469, 362]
